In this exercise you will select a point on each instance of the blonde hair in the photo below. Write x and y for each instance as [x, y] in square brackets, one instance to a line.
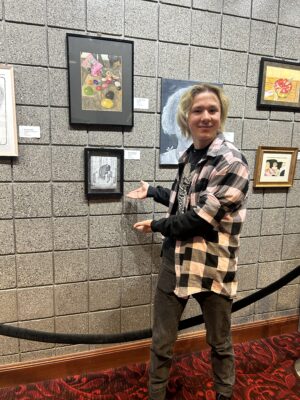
[187, 100]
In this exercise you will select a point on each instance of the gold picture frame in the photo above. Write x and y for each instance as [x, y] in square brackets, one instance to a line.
[275, 166]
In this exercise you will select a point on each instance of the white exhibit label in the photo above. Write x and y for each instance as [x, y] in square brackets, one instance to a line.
[229, 136]
[141, 103]
[29, 131]
[132, 154]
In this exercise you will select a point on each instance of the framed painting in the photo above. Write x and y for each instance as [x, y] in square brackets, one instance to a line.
[8, 125]
[172, 142]
[279, 85]
[100, 80]
[275, 166]
[104, 172]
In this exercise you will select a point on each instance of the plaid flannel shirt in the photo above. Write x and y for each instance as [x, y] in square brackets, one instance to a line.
[217, 194]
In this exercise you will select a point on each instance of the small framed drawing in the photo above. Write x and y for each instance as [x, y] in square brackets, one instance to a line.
[100, 80]
[8, 126]
[104, 172]
[279, 85]
[275, 166]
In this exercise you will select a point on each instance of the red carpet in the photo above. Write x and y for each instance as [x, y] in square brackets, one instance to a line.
[265, 371]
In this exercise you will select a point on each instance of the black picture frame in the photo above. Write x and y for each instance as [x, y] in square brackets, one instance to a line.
[100, 80]
[279, 85]
[104, 172]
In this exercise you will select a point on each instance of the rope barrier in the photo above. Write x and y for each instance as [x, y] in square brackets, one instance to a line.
[51, 337]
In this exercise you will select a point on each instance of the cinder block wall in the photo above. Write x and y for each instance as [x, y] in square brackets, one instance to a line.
[69, 265]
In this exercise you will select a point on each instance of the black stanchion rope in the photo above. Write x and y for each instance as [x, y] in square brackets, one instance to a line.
[51, 337]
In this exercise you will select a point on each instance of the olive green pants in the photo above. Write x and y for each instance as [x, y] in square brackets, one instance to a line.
[168, 309]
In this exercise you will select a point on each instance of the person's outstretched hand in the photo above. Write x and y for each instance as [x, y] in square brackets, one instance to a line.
[143, 226]
[139, 193]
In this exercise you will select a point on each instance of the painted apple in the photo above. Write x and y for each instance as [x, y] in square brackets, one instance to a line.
[283, 87]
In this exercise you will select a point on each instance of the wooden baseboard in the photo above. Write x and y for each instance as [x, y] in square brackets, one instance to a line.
[128, 353]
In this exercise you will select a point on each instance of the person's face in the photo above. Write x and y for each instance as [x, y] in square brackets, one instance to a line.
[204, 119]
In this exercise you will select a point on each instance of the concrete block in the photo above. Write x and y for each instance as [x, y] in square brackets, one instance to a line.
[71, 298]
[272, 221]
[105, 263]
[7, 272]
[105, 322]
[32, 12]
[247, 277]
[252, 224]
[255, 133]
[289, 13]
[72, 324]
[105, 231]
[293, 198]
[104, 137]
[57, 47]
[5, 200]
[143, 132]
[7, 237]
[289, 265]
[67, 163]
[32, 164]
[10, 359]
[136, 260]
[69, 199]
[235, 125]
[249, 250]
[246, 311]
[33, 235]
[137, 21]
[288, 297]
[70, 233]
[34, 116]
[156, 258]
[135, 318]
[9, 307]
[146, 51]
[136, 291]
[31, 85]
[241, 8]
[252, 70]
[26, 44]
[37, 355]
[296, 135]
[113, 23]
[250, 157]
[71, 266]
[135, 170]
[59, 95]
[206, 29]
[266, 10]
[273, 199]
[5, 170]
[8, 345]
[173, 61]
[266, 305]
[105, 207]
[34, 269]
[67, 14]
[280, 133]
[170, 16]
[131, 235]
[292, 218]
[262, 38]
[285, 47]
[133, 206]
[235, 33]
[154, 285]
[270, 248]
[209, 5]
[282, 116]
[268, 273]
[164, 173]
[45, 325]
[208, 69]
[183, 3]
[35, 303]
[32, 200]
[104, 295]
[255, 197]
[62, 132]
[250, 105]
[146, 88]
[233, 67]
[236, 96]
[2, 41]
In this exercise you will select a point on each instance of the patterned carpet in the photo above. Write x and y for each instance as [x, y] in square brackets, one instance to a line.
[265, 371]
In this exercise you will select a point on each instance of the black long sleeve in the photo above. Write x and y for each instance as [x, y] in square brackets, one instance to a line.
[160, 194]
